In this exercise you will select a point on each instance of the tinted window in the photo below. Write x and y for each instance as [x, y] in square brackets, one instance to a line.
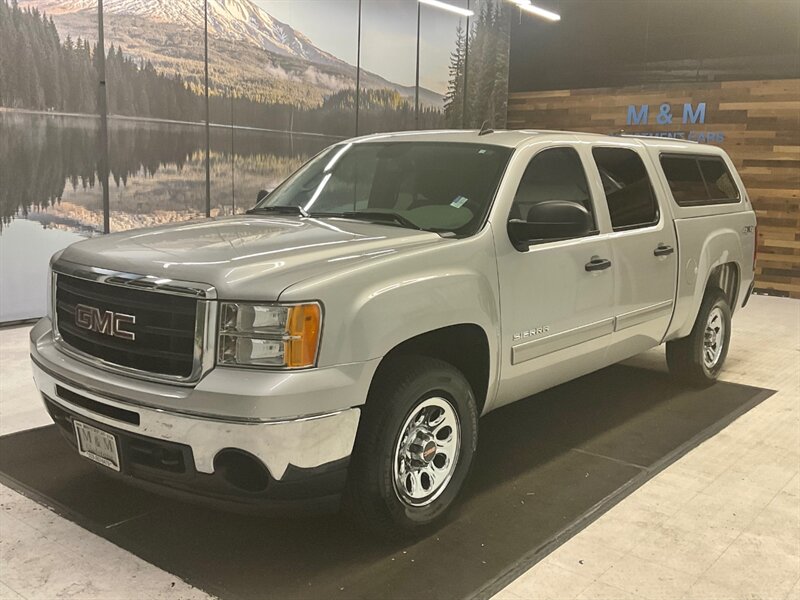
[630, 197]
[699, 180]
[718, 180]
[433, 185]
[555, 174]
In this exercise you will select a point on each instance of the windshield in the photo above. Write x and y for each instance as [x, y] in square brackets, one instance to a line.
[435, 186]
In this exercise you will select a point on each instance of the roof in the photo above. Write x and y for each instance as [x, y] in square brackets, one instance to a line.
[513, 138]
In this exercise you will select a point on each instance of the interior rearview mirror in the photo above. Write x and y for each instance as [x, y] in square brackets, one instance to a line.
[261, 195]
[548, 221]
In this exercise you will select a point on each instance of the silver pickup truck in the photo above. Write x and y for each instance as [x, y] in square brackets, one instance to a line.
[337, 344]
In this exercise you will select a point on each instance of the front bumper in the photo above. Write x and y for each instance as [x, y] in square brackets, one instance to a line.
[218, 456]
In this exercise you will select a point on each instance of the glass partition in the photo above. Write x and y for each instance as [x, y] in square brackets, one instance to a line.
[49, 153]
[282, 86]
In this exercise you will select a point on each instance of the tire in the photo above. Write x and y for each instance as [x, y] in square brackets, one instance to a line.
[396, 488]
[689, 358]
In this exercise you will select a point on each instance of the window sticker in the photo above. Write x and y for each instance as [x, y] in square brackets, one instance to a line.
[459, 201]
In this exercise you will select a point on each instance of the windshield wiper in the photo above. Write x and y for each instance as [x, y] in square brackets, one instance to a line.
[376, 215]
[286, 210]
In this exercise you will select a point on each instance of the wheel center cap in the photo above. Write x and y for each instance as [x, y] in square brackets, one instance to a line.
[429, 451]
[422, 449]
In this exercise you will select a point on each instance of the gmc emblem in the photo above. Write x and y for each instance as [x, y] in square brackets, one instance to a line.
[107, 322]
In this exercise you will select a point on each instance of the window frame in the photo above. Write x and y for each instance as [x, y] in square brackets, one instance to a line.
[590, 194]
[698, 157]
[657, 219]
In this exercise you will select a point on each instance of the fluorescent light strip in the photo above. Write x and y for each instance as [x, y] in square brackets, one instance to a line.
[539, 12]
[445, 6]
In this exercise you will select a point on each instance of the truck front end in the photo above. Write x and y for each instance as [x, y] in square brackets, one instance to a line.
[161, 383]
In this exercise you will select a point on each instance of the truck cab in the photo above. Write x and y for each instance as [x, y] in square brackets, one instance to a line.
[336, 345]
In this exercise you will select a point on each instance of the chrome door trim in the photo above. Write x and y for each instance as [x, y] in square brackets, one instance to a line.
[641, 315]
[559, 341]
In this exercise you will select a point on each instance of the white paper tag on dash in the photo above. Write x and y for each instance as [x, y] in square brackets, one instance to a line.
[459, 202]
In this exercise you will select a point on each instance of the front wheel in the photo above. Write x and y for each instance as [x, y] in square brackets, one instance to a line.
[417, 436]
[698, 358]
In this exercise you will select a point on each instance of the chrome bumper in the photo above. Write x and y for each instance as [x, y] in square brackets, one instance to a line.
[306, 442]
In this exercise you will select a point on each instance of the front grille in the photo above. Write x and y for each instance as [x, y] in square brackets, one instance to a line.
[164, 328]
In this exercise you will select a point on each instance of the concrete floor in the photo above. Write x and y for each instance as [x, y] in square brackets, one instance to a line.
[721, 523]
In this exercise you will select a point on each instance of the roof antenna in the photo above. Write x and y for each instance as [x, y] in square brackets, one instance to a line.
[485, 130]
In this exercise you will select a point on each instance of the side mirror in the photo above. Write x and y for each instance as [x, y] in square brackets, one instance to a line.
[551, 220]
[261, 195]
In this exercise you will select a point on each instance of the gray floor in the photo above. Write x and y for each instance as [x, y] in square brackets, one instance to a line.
[723, 522]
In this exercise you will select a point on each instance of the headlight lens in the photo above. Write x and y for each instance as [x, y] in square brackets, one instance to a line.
[260, 335]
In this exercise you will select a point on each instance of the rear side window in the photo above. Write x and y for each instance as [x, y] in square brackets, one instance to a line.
[699, 180]
[629, 193]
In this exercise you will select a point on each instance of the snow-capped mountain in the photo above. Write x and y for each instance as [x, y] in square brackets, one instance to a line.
[240, 20]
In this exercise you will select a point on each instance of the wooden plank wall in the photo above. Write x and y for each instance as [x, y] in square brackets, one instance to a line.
[761, 124]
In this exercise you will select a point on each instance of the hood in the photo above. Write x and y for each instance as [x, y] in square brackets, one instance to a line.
[247, 257]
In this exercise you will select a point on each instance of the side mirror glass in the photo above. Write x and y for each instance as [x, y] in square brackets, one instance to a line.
[261, 195]
[549, 221]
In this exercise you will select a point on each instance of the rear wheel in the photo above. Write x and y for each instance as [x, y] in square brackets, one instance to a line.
[698, 358]
[416, 440]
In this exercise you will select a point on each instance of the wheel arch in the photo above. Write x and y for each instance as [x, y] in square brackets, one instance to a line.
[463, 345]
[727, 277]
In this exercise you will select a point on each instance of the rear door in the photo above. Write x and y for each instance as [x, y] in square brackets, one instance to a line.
[644, 247]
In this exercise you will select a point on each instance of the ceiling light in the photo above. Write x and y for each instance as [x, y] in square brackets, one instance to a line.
[539, 12]
[445, 6]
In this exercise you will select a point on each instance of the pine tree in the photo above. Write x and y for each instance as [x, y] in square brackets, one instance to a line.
[454, 98]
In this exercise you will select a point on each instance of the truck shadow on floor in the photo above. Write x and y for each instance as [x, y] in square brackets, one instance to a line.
[542, 465]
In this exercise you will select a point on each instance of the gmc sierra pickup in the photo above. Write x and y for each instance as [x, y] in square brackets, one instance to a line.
[337, 344]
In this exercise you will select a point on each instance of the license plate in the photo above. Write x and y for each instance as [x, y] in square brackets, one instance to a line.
[97, 445]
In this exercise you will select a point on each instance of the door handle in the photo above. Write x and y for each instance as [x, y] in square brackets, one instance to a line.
[598, 264]
[663, 250]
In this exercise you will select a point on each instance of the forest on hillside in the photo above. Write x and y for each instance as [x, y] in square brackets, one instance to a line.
[477, 90]
[40, 72]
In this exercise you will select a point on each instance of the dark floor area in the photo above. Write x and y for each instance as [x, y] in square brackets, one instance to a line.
[545, 468]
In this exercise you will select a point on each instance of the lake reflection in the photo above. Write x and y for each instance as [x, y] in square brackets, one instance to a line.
[48, 177]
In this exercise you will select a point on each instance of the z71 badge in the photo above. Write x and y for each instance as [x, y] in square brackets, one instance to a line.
[531, 333]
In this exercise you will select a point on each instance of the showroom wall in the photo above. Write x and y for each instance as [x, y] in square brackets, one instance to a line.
[717, 72]
[281, 86]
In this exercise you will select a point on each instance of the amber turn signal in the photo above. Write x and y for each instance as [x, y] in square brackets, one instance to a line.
[302, 328]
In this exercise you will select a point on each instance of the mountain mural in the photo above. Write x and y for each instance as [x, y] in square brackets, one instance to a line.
[251, 53]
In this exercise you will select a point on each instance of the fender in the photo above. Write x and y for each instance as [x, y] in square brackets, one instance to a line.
[373, 307]
[705, 243]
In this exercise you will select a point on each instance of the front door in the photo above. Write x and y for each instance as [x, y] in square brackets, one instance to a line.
[557, 297]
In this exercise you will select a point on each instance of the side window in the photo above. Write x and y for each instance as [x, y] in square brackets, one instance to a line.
[699, 180]
[718, 180]
[629, 193]
[555, 174]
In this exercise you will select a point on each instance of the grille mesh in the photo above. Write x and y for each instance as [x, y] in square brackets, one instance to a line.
[164, 327]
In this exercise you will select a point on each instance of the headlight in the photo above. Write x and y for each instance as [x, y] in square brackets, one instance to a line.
[261, 335]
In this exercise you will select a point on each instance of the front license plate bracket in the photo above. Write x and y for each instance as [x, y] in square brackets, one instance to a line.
[97, 445]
